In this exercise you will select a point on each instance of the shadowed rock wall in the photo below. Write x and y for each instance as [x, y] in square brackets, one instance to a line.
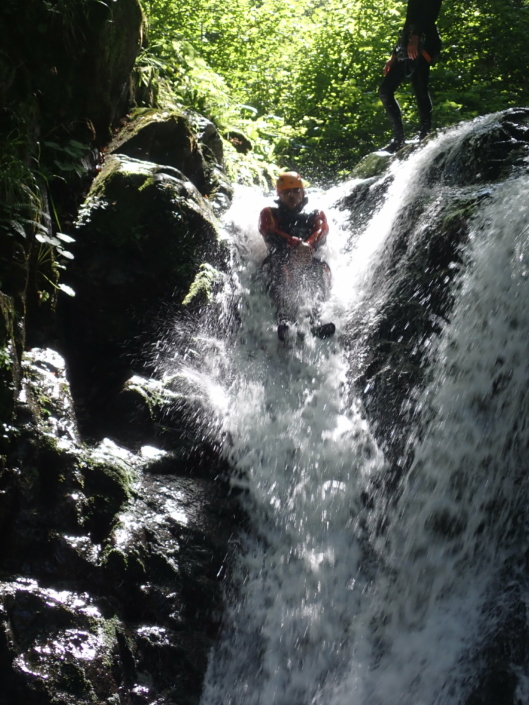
[112, 557]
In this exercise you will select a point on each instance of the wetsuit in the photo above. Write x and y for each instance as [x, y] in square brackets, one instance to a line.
[282, 229]
[421, 17]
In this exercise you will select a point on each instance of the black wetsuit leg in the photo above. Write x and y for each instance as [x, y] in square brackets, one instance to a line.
[392, 80]
[280, 285]
[419, 81]
[399, 72]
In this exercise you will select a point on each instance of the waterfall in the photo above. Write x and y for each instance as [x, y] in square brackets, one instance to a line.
[339, 594]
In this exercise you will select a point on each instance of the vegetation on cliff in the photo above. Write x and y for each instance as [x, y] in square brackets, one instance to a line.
[302, 77]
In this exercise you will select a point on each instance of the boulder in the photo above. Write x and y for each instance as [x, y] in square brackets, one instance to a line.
[112, 561]
[142, 237]
[186, 141]
[166, 139]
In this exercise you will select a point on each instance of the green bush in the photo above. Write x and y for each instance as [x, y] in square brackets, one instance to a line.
[317, 67]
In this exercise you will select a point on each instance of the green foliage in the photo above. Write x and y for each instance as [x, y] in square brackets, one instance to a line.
[65, 157]
[203, 284]
[483, 69]
[5, 358]
[20, 197]
[23, 215]
[317, 67]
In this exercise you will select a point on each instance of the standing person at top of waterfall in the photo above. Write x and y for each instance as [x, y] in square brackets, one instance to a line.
[417, 49]
[292, 237]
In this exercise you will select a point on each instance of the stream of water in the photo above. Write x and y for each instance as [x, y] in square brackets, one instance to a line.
[322, 606]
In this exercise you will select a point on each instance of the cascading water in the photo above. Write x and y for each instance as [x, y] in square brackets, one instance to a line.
[339, 595]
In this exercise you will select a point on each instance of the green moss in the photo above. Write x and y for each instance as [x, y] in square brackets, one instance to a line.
[108, 628]
[107, 484]
[371, 165]
[73, 679]
[202, 286]
[124, 566]
[107, 477]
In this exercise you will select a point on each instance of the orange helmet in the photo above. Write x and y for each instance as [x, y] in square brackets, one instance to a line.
[289, 179]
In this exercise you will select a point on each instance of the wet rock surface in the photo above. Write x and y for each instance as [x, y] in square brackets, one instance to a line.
[415, 289]
[112, 563]
[414, 283]
[113, 551]
[142, 237]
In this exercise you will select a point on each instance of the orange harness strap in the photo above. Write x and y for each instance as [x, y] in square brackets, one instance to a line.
[426, 56]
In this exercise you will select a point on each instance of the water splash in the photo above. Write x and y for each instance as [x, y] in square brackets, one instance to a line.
[336, 598]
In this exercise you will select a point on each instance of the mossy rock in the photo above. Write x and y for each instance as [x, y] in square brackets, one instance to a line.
[166, 139]
[108, 473]
[142, 238]
[106, 489]
[186, 141]
[65, 488]
[371, 165]
[61, 650]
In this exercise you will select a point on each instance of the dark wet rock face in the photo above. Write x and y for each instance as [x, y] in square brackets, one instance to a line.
[413, 292]
[112, 561]
[413, 286]
[64, 80]
[78, 63]
[488, 154]
[143, 235]
[113, 551]
[186, 141]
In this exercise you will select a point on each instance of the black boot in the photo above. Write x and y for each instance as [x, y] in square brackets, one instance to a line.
[326, 330]
[425, 117]
[394, 146]
[282, 331]
[426, 128]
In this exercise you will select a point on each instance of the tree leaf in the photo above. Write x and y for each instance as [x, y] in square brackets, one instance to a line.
[67, 289]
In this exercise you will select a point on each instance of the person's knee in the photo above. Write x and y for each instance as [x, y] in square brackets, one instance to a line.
[384, 93]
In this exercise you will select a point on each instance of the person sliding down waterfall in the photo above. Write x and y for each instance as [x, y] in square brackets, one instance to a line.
[292, 238]
[418, 48]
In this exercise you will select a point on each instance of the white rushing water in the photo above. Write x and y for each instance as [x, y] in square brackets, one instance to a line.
[323, 606]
